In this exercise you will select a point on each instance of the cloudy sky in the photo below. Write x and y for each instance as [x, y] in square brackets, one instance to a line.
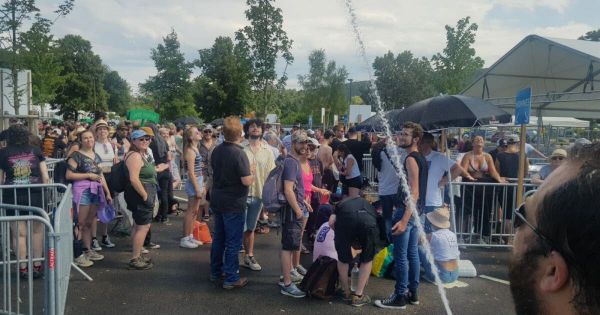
[122, 32]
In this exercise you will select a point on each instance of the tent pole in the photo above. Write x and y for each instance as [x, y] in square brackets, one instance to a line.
[521, 177]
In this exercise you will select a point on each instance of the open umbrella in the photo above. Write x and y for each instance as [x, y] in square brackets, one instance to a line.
[182, 121]
[448, 111]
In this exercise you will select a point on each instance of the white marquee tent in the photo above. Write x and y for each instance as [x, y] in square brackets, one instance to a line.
[563, 75]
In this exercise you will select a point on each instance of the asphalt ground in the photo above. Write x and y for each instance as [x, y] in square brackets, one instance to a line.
[178, 284]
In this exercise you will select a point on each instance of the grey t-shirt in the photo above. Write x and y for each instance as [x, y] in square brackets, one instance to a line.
[291, 172]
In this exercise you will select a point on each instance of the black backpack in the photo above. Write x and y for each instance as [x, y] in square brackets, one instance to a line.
[119, 176]
[321, 278]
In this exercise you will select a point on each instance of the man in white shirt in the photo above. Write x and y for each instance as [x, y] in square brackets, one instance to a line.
[438, 167]
[388, 184]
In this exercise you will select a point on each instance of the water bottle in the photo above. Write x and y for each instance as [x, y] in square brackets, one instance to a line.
[354, 278]
[338, 190]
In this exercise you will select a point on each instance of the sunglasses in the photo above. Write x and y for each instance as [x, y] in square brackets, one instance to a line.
[207, 131]
[550, 245]
[145, 139]
[557, 158]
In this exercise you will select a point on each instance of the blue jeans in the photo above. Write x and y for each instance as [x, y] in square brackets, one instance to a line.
[227, 241]
[406, 256]
[388, 203]
[446, 276]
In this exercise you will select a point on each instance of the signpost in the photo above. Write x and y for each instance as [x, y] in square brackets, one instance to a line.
[522, 114]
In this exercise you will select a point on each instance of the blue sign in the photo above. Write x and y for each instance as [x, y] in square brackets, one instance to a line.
[523, 106]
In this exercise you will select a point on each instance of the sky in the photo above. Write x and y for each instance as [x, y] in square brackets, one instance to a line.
[123, 32]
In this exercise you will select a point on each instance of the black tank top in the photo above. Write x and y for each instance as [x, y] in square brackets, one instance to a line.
[423, 170]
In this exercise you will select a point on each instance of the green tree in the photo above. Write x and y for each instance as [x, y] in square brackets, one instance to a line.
[291, 108]
[170, 88]
[14, 15]
[403, 79]
[264, 41]
[457, 63]
[83, 73]
[324, 85]
[593, 36]
[357, 100]
[224, 86]
[37, 53]
[119, 93]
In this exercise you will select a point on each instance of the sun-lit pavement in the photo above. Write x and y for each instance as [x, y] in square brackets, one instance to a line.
[178, 284]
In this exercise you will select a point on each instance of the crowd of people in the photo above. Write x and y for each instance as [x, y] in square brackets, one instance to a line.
[223, 172]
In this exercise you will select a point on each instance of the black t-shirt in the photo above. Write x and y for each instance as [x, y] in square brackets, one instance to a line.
[494, 154]
[358, 149]
[21, 164]
[352, 205]
[229, 163]
[509, 164]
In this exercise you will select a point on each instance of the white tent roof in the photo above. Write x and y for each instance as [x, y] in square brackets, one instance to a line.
[557, 122]
[563, 75]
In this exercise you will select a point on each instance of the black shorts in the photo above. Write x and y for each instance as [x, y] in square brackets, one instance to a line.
[355, 182]
[291, 230]
[142, 212]
[31, 197]
[356, 228]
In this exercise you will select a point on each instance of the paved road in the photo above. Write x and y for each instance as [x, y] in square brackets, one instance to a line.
[178, 284]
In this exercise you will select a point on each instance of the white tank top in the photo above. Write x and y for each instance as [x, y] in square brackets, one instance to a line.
[355, 172]
[106, 153]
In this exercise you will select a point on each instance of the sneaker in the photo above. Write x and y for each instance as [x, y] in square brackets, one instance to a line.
[139, 263]
[304, 250]
[397, 302]
[413, 298]
[346, 297]
[23, 272]
[301, 270]
[242, 282]
[152, 245]
[359, 301]
[96, 245]
[92, 255]
[38, 271]
[145, 250]
[250, 262]
[291, 290]
[186, 242]
[107, 243]
[296, 276]
[83, 261]
[196, 241]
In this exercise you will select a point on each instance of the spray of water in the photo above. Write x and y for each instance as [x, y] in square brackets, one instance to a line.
[391, 147]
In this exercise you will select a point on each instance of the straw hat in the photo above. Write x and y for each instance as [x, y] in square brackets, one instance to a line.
[440, 217]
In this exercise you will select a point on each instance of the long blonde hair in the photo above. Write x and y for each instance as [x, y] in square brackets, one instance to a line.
[187, 137]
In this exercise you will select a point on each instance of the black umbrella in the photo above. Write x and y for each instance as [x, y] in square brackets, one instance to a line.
[217, 122]
[182, 121]
[448, 111]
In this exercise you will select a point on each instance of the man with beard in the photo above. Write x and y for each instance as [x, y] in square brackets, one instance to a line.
[555, 258]
[261, 158]
[292, 217]
[405, 234]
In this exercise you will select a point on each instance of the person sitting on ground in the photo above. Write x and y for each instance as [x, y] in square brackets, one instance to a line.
[354, 221]
[444, 248]
[554, 263]
[324, 241]
[556, 159]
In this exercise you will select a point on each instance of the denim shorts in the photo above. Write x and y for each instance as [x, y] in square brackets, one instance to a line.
[189, 187]
[253, 208]
[87, 198]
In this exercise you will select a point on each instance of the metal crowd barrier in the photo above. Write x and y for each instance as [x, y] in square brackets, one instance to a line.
[51, 163]
[484, 213]
[20, 225]
[368, 170]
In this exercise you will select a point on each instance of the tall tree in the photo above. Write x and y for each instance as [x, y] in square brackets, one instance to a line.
[170, 87]
[593, 36]
[264, 41]
[83, 73]
[38, 53]
[14, 15]
[324, 84]
[457, 63]
[119, 93]
[224, 87]
[402, 79]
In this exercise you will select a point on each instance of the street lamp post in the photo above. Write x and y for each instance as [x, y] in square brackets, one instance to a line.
[350, 94]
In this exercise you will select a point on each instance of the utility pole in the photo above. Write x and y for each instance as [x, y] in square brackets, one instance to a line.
[350, 94]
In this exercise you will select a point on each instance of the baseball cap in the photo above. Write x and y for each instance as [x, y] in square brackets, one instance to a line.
[101, 123]
[501, 142]
[136, 134]
[512, 139]
[313, 141]
[299, 136]
[559, 152]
